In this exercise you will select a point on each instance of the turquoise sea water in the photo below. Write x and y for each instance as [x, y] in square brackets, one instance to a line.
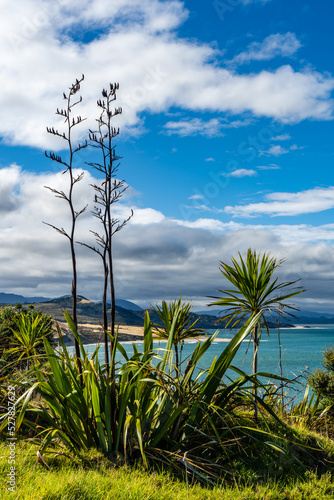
[302, 350]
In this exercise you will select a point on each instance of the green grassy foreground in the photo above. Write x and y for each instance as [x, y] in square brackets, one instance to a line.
[95, 478]
[201, 431]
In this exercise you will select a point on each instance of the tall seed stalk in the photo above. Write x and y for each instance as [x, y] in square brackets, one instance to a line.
[106, 194]
[70, 122]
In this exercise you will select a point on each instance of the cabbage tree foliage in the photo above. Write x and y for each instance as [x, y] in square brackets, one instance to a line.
[254, 291]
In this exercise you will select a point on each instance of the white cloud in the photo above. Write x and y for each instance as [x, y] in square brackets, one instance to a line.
[278, 44]
[9, 180]
[196, 197]
[283, 137]
[287, 234]
[236, 123]
[39, 59]
[278, 150]
[274, 151]
[287, 204]
[155, 257]
[243, 172]
[196, 126]
[271, 166]
[146, 216]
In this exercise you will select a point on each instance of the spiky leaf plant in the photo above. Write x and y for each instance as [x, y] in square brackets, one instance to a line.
[255, 292]
[190, 422]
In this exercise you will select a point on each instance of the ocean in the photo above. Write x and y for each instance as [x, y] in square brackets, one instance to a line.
[302, 350]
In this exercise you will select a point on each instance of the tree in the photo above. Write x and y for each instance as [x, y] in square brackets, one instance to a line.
[185, 326]
[254, 291]
[106, 194]
[68, 165]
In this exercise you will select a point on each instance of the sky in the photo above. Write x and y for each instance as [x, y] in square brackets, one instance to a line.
[226, 143]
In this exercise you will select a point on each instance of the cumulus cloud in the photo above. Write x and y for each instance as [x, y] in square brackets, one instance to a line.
[278, 150]
[274, 151]
[287, 204]
[196, 197]
[155, 257]
[294, 147]
[243, 172]
[9, 181]
[271, 166]
[196, 126]
[283, 137]
[46, 45]
[278, 44]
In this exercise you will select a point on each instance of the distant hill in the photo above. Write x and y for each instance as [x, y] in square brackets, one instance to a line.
[130, 314]
[299, 317]
[87, 310]
[314, 315]
[209, 311]
[90, 317]
[204, 321]
[126, 304]
[91, 312]
[12, 298]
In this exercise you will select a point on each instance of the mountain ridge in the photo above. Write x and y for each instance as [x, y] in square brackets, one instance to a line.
[130, 314]
[12, 298]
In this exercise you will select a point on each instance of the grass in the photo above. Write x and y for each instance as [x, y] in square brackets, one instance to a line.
[93, 477]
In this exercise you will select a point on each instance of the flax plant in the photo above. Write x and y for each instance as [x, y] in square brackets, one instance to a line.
[190, 422]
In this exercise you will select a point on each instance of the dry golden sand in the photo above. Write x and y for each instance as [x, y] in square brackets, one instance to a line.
[128, 330]
[136, 331]
[124, 329]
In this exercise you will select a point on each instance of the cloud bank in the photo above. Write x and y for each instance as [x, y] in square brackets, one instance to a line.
[155, 257]
[47, 44]
[288, 204]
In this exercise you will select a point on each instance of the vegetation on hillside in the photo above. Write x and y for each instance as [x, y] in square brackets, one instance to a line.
[197, 424]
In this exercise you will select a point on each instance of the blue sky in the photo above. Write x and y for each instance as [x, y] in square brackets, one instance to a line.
[226, 138]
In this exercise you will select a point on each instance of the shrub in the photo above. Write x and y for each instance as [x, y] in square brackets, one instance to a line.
[21, 335]
[194, 423]
[322, 381]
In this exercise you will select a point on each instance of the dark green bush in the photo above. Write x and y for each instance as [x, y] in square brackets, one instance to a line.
[329, 359]
[322, 381]
[14, 349]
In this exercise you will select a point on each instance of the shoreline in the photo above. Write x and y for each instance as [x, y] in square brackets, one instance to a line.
[190, 341]
[137, 333]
